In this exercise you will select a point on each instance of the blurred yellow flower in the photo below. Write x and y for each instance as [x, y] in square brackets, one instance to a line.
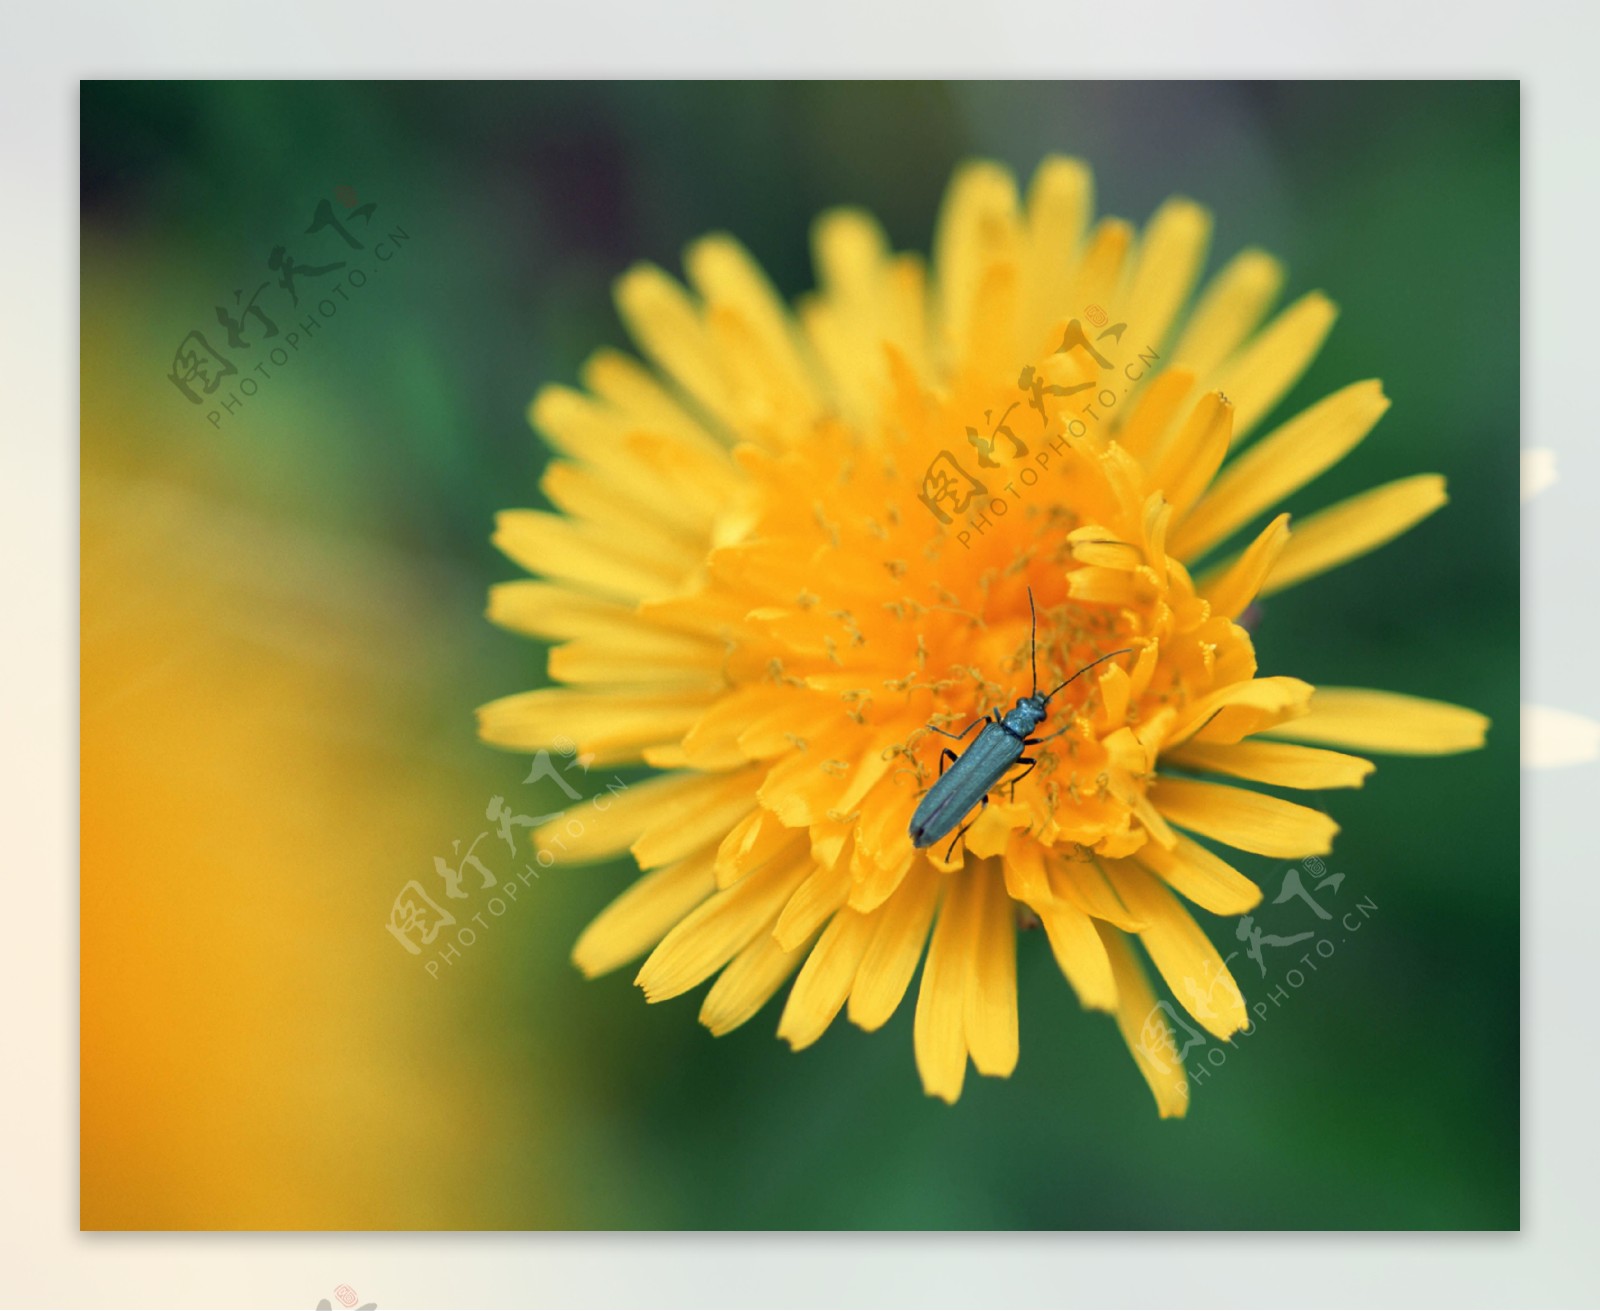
[801, 538]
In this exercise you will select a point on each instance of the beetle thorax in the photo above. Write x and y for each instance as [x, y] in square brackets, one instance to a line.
[1027, 715]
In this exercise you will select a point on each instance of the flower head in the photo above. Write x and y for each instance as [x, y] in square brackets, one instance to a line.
[802, 541]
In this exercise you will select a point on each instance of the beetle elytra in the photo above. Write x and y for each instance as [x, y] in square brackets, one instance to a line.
[966, 780]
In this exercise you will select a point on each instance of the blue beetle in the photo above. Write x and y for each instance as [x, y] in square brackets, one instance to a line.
[970, 776]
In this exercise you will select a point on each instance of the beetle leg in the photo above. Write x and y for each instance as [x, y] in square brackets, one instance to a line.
[982, 719]
[1031, 763]
[945, 757]
[982, 806]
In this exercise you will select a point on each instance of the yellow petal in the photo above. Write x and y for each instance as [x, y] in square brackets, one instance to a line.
[756, 722]
[750, 844]
[590, 494]
[556, 613]
[1080, 954]
[1099, 275]
[640, 401]
[1060, 201]
[814, 901]
[727, 277]
[1082, 884]
[1188, 463]
[609, 727]
[704, 487]
[1279, 763]
[1201, 875]
[881, 857]
[720, 927]
[1025, 877]
[1144, 1027]
[770, 405]
[939, 1031]
[993, 344]
[1250, 821]
[602, 437]
[1234, 586]
[1354, 527]
[1286, 459]
[819, 993]
[1259, 376]
[641, 916]
[804, 787]
[667, 324]
[1237, 710]
[612, 823]
[1192, 967]
[851, 256]
[978, 225]
[1151, 415]
[849, 323]
[1154, 822]
[649, 656]
[705, 817]
[1388, 723]
[1229, 310]
[907, 298]
[991, 1007]
[1171, 255]
[748, 983]
[584, 555]
[896, 947]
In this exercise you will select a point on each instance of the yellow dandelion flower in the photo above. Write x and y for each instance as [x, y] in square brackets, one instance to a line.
[793, 541]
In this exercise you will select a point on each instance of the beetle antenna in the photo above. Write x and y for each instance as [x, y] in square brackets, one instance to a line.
[1101, 660]
[1033, 642]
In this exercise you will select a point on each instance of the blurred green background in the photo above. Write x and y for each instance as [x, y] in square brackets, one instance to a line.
[1382, 1094]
